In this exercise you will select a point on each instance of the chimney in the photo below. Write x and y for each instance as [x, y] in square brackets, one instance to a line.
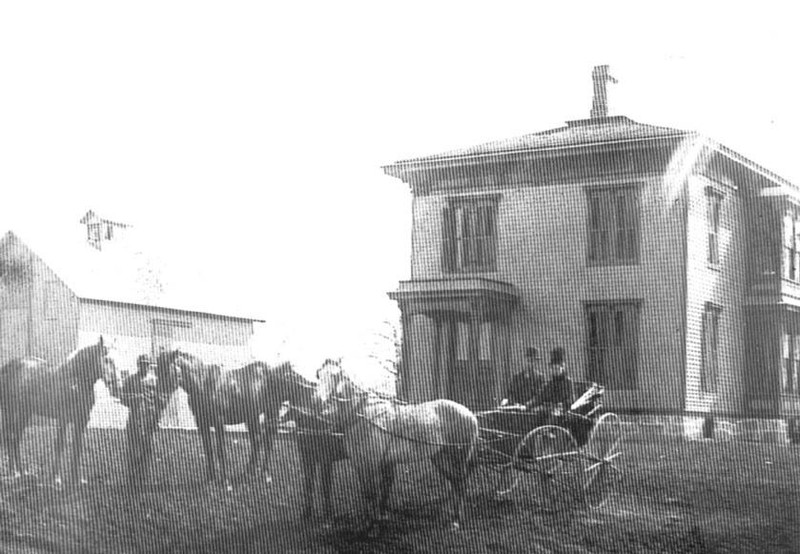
[600, 80]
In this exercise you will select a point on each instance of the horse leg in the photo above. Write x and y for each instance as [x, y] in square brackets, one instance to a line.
[254, 430]
[219, 431]
[59, 451]
[270, 432]
[369, 475]
[327, 476]
[454, 465]
[14, 430]
[205, 436]
[387, 480]
[78, 432]
[309, 478]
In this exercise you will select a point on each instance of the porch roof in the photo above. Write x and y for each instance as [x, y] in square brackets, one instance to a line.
[466, 295]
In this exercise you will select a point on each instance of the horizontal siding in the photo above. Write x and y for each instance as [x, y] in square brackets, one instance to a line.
[542, 245]
[724, 286]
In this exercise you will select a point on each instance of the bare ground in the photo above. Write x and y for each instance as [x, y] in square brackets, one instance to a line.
[677, 497]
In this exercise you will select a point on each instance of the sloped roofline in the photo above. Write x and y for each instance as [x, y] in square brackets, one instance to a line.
[168, 309]
[403, 167]
[11, 235]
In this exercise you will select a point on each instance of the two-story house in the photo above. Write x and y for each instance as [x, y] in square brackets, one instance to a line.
[666, 264]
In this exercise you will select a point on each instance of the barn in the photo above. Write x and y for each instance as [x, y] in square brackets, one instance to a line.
[663, 261]
[60, 292]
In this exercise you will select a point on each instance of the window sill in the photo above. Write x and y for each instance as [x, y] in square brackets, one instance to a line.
[613, 264]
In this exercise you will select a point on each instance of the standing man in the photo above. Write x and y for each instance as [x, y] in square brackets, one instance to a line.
[526, 385]
[145, 398]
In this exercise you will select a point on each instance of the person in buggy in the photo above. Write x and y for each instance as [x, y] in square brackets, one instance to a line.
[558, 393]
[528, 383]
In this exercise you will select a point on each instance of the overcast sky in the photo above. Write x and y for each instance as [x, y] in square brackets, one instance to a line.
[251, 134]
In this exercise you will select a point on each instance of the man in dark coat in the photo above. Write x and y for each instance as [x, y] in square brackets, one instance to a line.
[146, 399]
[526, 385]
[558, 394]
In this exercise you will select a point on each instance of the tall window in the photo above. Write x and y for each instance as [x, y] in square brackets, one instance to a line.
[791, 246]
[710, 368]
[470, 235]
[714, 201]
[790, 367]
[612, 339]
[613, 226]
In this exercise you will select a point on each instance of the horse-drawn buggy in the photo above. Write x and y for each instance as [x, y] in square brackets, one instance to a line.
[560, 460]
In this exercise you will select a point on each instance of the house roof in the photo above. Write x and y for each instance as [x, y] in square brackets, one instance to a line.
[121, 273]
[591, 132]
[582, 132]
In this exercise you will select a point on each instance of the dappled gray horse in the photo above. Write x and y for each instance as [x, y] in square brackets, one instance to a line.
[380, 433]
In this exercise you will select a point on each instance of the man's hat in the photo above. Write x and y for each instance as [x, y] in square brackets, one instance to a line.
[144, 359]
[532, 353]
[557, 356]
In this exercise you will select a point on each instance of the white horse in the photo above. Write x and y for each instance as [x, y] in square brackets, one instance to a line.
[381, 433]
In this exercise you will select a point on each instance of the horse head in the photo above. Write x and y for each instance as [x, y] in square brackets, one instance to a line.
[167, 370]
[331, 381]
[110, 373]
[94, 362]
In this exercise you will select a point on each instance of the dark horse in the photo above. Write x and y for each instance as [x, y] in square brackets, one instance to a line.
[218, 398]
[65, 392]
[381, 432]
[319, 444]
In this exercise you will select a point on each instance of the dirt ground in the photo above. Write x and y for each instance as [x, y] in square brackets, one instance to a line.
[677, 497]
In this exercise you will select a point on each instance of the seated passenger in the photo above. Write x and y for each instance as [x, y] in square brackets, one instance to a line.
[557, 395]
[527, 384]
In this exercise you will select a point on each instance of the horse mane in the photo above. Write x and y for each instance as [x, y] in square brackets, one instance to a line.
[80, 361]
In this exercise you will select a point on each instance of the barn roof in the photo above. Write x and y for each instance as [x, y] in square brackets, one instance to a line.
[123, 273]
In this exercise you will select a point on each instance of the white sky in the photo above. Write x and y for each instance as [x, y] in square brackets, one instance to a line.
[254, 132]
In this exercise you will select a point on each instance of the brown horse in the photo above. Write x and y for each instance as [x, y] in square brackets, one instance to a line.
[380, 433]
[65, 392]
[319, 445]
[218, 398]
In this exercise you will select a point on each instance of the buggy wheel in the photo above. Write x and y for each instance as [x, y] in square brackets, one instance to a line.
[549, 456]
[601, 472]
[493, 481]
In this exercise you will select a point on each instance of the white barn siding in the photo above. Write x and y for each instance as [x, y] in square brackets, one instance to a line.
[215, 339]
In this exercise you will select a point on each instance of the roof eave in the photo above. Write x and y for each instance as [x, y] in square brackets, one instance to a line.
[401, 168]
[169, 309]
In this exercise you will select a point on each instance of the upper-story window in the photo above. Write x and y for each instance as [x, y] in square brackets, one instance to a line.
[791, 246]
[613, 226]
[469, 233]
[713, 202]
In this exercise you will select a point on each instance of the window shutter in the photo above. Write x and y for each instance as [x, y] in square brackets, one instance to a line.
[448, 239]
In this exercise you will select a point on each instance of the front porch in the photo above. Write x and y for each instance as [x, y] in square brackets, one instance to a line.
[455, 339]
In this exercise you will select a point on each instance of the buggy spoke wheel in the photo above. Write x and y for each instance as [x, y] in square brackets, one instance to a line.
[493, 481]
[551, 468]
[602, 451]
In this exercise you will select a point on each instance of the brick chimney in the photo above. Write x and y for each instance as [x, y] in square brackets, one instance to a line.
[600, 79]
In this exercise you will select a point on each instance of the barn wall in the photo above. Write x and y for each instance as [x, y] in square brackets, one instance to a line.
[38, 314]
[130, 328]
[542, 250]
[723, 285]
